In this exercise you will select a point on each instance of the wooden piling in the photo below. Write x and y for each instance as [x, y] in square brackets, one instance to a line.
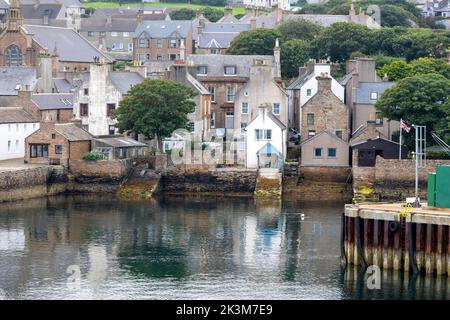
[351, 239]
[368, 235]
[440, 253]
[406, 252]
[387, 247]
[429, 252]
[419, 247]
[356, 231]
[397, 254]
[377, 240]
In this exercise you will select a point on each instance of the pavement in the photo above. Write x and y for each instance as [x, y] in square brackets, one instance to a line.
[17, 164]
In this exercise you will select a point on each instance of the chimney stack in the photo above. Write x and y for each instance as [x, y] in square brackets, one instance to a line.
[324, 82]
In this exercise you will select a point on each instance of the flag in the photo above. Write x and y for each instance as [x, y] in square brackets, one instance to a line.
[405, 126]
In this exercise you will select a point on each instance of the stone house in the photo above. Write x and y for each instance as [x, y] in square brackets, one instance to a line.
[199, 123]
[25, 45]
[98, 93]
[54, 107]
[57, 143]
[265, 140]
[162, 40]
[114, 33]
[215, 37]
[325, 112]
[439, 9]
[225, 77]
[15, 125]
[325, 150]
[305, 86]
[362, 89]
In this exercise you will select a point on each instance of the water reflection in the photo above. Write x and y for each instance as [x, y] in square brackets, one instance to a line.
[179, 247]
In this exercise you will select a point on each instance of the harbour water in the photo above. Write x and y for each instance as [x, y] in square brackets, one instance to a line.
[96, 247]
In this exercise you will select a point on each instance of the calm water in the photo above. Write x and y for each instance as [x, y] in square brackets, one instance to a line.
[87, 247]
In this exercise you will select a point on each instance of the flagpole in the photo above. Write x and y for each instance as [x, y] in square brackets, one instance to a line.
[400, 141]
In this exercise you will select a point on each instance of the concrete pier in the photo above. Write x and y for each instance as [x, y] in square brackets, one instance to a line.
[399, 238]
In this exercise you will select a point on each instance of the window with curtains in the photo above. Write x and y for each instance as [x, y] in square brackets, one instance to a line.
[39, 150]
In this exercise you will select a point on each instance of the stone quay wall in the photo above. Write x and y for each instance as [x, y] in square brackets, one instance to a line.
[220, 181]
[392, 179]
[32, 183]
[99, 171]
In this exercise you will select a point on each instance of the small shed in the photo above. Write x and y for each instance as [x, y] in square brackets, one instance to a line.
[368, 150]
[119, 147]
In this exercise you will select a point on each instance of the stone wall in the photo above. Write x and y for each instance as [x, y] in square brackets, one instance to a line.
[99, 171]
[32, 183]
[392, 179]
[224, 181]
[326, 174]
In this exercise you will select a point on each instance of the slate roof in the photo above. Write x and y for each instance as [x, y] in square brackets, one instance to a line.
[364, 90]
[228, 18]
[4, 5]
[266, 21]
[72, 132]
[316, 136]
[11, 77]
[130, 11]
[120, 142]
[15, 115]
[71, 46]
[216, 62]
[324, 20]
[216, 39]
[52, 101]
[225, 27]
[31, 11]
[124, 80]
[297, 83]
[200, 88]
[276, 120]
[62, 85]
[164, 29]
[101, 24]
[372, 143]
[64, 2]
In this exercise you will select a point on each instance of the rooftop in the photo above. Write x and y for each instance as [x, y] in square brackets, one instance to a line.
[72, 132]
[120, 142]
[12, 78]
[125, 80]
[71, 46]
[53, 101]
[164, 29]
[365, 90]
[15, 115]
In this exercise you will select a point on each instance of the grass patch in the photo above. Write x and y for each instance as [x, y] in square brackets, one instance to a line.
[100, 4]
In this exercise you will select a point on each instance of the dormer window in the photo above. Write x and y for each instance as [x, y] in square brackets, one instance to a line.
[202, 70]
[230, 70]
[373, 95]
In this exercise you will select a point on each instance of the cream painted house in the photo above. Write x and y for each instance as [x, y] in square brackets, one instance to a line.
[265, 140]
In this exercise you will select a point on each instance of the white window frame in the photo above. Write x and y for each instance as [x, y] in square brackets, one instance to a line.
[242, 107]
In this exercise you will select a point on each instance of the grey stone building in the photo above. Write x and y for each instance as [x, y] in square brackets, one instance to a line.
[215, 38]
[114, 33]
[98, 93]
[325, 128]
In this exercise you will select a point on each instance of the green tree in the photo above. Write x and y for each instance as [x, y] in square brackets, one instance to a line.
[299, 29]
[294, 54]
[392, 15]
[182, 14]
[212, 14]
[422, 99]
[256, 41]
[429, 65]
[155, 108]
[395, 70]
[341, 39]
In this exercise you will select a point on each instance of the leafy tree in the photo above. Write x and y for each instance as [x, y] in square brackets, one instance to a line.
[256, 41]
[392, 15]
[182, 14]
[422, 99]
[294, 54]
[155, 108]
[341, 39]
[299, 29]
[382, 60]
[395, 70]
[399, 69]
[212, 14]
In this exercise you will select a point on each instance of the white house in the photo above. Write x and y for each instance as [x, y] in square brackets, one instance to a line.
[98, 94]
[15, 125]
[265, 140]
[302, 89]
[283, 4]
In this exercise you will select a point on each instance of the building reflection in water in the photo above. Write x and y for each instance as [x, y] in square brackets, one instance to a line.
[182, 247]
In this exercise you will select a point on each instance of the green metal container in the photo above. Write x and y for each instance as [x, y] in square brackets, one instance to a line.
[443, 186]
[431, 189]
